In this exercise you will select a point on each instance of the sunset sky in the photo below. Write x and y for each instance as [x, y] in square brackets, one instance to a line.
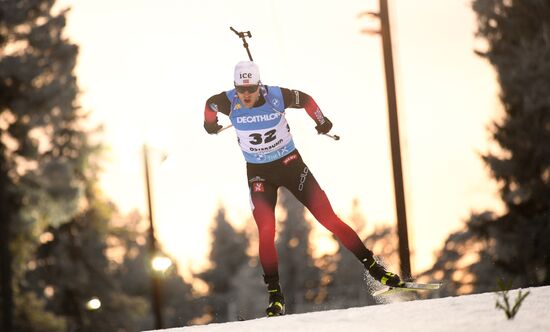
[146, 68]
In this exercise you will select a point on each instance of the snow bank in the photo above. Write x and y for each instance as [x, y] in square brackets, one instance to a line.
[463, 313]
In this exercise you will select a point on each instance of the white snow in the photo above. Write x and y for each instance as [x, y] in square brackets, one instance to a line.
[462, 313]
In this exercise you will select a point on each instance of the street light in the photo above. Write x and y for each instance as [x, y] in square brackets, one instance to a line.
[161, 263]
[93, 304]
[155, 277]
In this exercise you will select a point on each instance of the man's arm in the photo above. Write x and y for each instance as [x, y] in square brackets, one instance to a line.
[215, 104]
[299, 99]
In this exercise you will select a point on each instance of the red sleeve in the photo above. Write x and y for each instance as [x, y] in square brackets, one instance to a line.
[314, 111]
[210, 116]
[215, 104]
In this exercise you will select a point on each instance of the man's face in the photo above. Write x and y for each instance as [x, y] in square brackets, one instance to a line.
[248, 94]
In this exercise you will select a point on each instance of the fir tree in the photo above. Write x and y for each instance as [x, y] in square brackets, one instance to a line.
[347, 287]
[72, 267]
[249, 292]
[300, 278]
[248, 284]
[43, 148]
[227, 255]
[518, 37]
[513, 245]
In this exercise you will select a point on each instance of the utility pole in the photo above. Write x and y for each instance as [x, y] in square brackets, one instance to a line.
[155, 278]
[7, 207]
[404, 252]
[6, 274]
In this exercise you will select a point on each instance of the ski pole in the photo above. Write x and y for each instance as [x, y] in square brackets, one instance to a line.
[334, 137]
[224, 128]
[243, 36]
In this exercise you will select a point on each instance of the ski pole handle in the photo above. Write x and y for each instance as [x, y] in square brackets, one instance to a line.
[334, 137]
[243, 36]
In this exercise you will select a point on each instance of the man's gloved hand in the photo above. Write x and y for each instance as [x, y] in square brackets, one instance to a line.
[325, 127]
[212, 128]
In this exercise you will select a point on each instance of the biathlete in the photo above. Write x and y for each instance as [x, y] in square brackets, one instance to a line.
[257, 111]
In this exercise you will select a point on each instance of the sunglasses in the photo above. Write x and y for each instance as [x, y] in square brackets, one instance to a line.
[247, 88]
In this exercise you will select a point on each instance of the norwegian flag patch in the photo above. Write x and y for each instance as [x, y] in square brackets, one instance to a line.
[258, 187]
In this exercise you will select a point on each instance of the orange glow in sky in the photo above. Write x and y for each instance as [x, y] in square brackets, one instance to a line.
[146, 68]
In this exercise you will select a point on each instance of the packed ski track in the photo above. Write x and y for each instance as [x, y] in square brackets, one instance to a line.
[470, 313]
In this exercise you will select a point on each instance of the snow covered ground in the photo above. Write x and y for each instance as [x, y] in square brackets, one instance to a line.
[463, 313]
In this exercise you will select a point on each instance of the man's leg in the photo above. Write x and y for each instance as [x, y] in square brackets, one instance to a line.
[306, 189]
[263, 197]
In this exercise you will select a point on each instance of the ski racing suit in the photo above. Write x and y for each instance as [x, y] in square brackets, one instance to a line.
[272, 161]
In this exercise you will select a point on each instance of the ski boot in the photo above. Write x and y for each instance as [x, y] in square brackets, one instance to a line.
[276, 305]
[379, 273]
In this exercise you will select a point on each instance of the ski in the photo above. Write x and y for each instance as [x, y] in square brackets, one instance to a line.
[407, 286]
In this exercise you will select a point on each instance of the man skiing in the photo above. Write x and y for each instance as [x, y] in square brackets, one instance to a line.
[257, 112]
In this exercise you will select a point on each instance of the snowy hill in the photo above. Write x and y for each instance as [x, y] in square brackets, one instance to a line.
[463, 313]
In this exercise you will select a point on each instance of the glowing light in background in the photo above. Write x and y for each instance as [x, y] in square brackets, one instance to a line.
[161, 263]
[93, 304]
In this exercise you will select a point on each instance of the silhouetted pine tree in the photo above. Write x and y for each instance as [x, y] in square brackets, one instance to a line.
[44, 154]
[513, 245]
[250, 297]
[347, 287]
[299, 277]
[250, 290]
[227, 255]
[72, 267]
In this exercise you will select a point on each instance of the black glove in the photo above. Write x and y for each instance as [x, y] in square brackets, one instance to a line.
[212, 128]
[325, 127]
